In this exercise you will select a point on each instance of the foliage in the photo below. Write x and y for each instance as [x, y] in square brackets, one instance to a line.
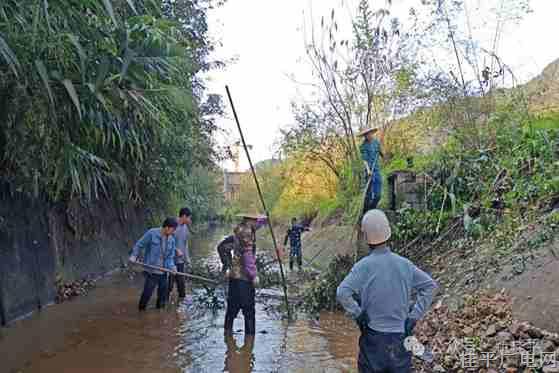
[100, 99]
[321, 295]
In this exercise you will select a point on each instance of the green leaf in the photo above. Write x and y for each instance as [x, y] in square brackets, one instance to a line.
[131, 5]
[102, 71]
[47, 17]
[42, 70]
[109, 8]
[83, 57]
[73, 95]
[9, 56]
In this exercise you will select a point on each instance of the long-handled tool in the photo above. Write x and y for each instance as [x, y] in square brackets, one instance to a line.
[363, 200]
[194, 277]
[284, 283]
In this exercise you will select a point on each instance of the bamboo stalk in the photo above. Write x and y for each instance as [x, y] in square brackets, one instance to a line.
[284, 283]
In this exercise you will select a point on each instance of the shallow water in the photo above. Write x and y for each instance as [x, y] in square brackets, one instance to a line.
[104, 332]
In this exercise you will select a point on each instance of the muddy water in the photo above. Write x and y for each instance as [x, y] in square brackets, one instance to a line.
[104, 332]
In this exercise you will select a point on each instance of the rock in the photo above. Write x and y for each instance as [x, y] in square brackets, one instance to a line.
[548, 346]
[504, 337]
[468, 331]
[534, 333]
[515, 329]
[491, 331]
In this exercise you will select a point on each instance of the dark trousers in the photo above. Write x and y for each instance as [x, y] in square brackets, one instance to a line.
[152, 281]
[240, 297]
[179, 280]
[383, 353]
[296, 254]
[374, 192]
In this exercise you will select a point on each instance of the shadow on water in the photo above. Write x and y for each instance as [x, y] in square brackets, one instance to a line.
[104, 332]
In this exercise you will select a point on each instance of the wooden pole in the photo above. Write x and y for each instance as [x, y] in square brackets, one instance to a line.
[194, 277]
[262, 201]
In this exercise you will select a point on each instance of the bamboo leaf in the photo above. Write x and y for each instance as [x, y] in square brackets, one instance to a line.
[47, 17]
[45, 78]
[109, 8]
[131, 5]
[9, 56]
[102, 72]
[81, 53]
[73, 95]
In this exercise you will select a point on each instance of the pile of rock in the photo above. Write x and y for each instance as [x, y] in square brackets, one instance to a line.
[483, 337]
[68, 290]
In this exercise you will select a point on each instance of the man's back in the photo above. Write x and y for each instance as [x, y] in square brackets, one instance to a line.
[383, 282]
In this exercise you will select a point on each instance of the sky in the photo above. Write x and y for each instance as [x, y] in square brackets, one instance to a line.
[265, 41]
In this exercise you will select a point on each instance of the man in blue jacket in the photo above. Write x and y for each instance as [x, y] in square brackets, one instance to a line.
[383, 282]
[158, 248]
[370, 153]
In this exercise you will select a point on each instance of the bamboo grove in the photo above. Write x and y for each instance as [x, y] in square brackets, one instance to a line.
[101, 99]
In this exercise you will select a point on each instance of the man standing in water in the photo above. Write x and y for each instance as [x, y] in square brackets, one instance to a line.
[158, 249]
[182, 254]
[294, 236]
[383, 282]
[237, 254]
[370, 152]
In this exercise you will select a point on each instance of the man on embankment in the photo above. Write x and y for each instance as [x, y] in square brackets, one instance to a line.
[370, 153]
[383, 282]
[158, 249]
[182, 253]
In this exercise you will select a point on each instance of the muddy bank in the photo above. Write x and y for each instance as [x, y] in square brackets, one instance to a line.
[41, 244]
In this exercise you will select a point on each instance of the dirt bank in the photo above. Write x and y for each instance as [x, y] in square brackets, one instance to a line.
[530, 277]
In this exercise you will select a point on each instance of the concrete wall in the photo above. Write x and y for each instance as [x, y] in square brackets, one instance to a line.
[40, 243]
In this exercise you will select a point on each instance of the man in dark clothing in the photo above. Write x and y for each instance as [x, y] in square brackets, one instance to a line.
[294, 236]
[158, 249]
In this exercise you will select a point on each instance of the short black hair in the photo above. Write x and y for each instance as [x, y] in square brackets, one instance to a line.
[170, 223]
[293, 219]
[185, 211]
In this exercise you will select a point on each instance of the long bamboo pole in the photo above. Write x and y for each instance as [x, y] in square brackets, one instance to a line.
[284, 284]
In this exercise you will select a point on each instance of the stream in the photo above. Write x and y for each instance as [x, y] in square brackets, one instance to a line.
[104, 332]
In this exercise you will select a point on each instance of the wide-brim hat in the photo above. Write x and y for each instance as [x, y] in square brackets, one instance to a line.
[367, 130]
[251, 216]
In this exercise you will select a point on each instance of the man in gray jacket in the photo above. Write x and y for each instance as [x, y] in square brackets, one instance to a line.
[383, 282]
[182, 253]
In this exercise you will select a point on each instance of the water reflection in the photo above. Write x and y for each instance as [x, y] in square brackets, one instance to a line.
[239, 359]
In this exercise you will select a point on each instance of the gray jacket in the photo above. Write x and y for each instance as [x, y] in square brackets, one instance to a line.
[383, 281]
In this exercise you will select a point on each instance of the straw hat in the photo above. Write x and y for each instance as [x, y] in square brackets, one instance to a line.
[367, 130]
[376, 227]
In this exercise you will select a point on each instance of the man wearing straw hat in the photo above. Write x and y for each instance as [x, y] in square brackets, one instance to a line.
[383, 282]
[238, 256]
[370, 152]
